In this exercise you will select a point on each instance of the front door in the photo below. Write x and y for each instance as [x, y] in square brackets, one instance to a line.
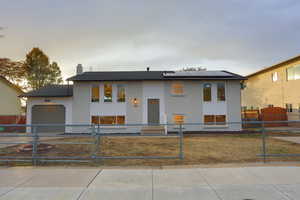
[153, 111]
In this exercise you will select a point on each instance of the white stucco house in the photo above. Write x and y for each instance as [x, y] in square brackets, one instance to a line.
[148, 98]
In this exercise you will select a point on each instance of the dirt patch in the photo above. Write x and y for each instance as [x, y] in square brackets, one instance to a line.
[198, 150]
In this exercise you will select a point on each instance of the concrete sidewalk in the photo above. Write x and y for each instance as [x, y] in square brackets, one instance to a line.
[244, 183]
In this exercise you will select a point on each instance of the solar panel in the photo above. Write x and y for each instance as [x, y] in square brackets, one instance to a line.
[197, 73]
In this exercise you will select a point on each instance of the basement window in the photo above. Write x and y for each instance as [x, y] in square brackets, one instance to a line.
[108, 120]
[214, 120]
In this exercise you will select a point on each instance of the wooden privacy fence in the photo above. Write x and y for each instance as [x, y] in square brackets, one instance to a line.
[250, 115]
[274, 114]
[268, 114]
[12, 119]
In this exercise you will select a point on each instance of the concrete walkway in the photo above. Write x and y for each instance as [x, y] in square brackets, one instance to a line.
[245, 183]
[290, 139]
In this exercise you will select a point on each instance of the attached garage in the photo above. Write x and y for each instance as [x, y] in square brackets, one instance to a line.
[51, 104]
[49, 114]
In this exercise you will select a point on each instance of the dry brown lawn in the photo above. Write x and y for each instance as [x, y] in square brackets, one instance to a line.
[203, 149]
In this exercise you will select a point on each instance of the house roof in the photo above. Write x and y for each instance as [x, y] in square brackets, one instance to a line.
[15, 87]
[51, 91]
[67, 90]
[154, 75]
[275, 66]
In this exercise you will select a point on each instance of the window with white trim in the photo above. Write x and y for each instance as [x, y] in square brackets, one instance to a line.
[274, 76]
[207, 92]
[214, 120]
[221, 91]
[293, 73]
[289, 107]
[107, 92]
[121, 93]
[95, 93]
[107, 120]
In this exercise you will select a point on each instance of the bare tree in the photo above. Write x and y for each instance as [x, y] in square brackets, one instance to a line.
[14, 71]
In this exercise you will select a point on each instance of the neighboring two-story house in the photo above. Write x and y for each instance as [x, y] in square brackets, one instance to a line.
[278, 85]
[212, 98]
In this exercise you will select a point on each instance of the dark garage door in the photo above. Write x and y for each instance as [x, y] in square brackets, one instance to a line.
[49, 114]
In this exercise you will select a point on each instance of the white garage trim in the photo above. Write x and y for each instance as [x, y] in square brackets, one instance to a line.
[65, 101]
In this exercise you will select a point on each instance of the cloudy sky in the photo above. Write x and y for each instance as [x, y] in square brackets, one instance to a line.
[237, 35]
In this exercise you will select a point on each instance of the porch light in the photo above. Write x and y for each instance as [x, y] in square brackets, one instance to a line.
[135, 102]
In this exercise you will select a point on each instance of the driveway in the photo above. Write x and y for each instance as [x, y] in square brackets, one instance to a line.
[255, 183]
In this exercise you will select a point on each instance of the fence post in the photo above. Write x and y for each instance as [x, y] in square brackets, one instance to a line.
[97, 142]
[34, 145]
[264, 144]
[181, 154]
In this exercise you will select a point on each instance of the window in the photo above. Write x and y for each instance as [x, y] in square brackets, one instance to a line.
[207, 92]
[289, 107]
[107, 93]
[108, 120]
[274, 76]
[95, 94]
[177, 89]
[209, 119]
[299, 107]
[221, 91]
[220, 119]
[290, 74]
[121, 93]
[95, 120]
[244, 108]
[120, 119]
[178, 119]
[293, 73]
[215, 119]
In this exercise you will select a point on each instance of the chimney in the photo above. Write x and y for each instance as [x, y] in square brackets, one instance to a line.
[79, 69]
[148, 69]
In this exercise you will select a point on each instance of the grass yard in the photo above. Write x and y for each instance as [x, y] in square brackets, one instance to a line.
[200, 149]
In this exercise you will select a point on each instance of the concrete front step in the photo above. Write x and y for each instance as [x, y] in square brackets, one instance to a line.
[153, 130]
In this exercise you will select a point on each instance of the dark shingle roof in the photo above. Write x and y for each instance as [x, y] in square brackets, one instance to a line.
[51, 91]
[153, 75]
[118, 76]
[67, 90]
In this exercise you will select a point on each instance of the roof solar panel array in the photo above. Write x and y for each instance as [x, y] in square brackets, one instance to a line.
[197, 73]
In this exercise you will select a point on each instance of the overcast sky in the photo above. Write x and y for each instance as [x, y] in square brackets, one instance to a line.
[236, 35]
